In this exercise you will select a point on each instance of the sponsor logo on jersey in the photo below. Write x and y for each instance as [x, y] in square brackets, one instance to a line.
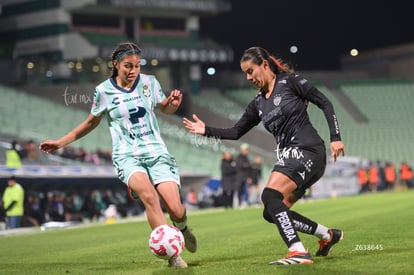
[136, 113]
[131, 98]
[115, 101]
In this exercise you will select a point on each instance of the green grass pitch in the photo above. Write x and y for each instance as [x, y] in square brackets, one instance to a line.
[378, 239]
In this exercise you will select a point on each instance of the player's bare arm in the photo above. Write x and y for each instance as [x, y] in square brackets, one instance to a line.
[90, 123]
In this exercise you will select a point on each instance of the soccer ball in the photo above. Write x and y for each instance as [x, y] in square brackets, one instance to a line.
[166, 241]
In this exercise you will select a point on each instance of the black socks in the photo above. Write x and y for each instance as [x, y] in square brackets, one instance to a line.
[303, 224]
[280, 214]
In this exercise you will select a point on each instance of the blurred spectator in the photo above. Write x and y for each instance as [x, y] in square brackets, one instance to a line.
[13, 157]
[93, 205]
[243, 173]
[116, 199]
[406, 175]
[80, 154]
[47, 206]
[111, 214]
[363, 179]
[390, 176]
[33, 213]
[373, 177]
[92, 158]
[381, 176]
[13, 200]
[256, 175]
[69, 152]
[125, 206]
[31, 153]
[57, 211]
[72, 208]
[191, 200]
[2, 216]
[108, 198]
[105, 155]
[228, 178]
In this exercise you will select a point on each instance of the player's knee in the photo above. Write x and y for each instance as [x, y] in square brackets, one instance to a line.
[149, 199]
[270, 194]
[177, 212]
[267, 216]
[273, 199]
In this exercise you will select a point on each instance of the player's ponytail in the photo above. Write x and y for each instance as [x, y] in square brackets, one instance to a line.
[277, 63]
[281, 65]
[257, 55]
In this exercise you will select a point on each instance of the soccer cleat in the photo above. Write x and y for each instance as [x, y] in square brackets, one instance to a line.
[325, 246]
[294, 257]
[189, 240]
[177, 262]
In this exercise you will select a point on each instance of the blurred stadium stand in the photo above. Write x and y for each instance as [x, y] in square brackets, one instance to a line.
[384, 135]
[52, 67]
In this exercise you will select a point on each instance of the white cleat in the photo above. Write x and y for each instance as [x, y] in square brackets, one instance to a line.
[177, 262]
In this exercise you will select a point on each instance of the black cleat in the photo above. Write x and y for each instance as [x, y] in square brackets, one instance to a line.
[325, 246]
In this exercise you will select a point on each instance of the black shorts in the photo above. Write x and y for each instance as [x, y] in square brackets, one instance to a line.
[303, 166]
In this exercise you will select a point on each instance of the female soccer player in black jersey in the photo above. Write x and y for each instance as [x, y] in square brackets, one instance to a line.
[281, 105]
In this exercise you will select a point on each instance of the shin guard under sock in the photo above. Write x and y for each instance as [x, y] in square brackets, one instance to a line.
[301, 223]
[182, 223]
[273, 202]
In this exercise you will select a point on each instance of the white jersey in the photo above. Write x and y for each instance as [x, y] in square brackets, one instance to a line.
[130, 115]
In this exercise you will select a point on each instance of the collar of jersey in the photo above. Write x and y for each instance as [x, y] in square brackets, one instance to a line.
[113, 81]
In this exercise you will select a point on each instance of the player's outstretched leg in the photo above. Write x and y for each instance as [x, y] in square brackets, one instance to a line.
[281, 216]
[327, 236]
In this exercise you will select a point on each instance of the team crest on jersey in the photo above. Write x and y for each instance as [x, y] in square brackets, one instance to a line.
[147, 91]
[277, 99]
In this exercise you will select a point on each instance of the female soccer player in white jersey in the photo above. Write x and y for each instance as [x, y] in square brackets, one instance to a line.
[139, 154]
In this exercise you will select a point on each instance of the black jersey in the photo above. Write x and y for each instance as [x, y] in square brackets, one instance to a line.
[284, 114]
